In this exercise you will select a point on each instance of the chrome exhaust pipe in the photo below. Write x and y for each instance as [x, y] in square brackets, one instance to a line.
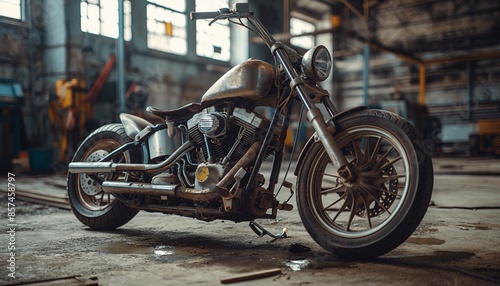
[158, 190]
[138, 188]
[180, 191]
[107, 167]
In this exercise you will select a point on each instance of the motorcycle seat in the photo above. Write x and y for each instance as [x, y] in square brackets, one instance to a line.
[180, 112]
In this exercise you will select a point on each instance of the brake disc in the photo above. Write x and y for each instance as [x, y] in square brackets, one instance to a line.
[385, 196]
[87, 184]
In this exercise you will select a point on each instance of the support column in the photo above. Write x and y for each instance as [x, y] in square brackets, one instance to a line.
[120, 59]
[470, 88]
[366, 73]
[421, 97]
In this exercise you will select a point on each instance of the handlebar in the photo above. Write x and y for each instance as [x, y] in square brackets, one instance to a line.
[240, 10]
[203, 15]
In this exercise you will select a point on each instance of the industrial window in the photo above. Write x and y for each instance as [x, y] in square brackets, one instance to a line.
[100, 17]
[212, 41]
[167, 26]
[298, 27]
[10, 8]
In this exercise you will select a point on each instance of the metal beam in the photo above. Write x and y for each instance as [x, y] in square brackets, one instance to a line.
[354, 10]
[421, 97]
[120, 60]
[457, 59]
[470, 87]
[366, 73]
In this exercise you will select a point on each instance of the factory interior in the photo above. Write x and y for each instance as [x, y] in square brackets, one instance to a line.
[69, 67]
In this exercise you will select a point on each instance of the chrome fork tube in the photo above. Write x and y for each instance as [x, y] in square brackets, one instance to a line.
[313, 113]
[330, 107]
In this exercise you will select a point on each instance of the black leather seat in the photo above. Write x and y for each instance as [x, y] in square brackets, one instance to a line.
[178, 113]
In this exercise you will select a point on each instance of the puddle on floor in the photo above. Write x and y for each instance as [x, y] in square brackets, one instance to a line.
[425, 241]
[430, 259]
[161, 251]
[121, 247]
[442, 256]
[473, 227]
[298, 264]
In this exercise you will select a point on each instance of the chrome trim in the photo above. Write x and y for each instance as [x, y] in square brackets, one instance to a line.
[106, 167]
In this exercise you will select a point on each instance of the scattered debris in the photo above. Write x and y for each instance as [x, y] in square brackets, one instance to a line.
[298, 264]
[251, 276]
[74, 280]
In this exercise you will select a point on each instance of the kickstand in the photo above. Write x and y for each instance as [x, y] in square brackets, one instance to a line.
[261, 231]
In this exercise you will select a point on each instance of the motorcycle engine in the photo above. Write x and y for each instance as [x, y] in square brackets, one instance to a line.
[222, 139]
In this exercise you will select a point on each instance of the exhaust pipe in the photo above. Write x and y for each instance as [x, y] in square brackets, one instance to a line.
[179, 191]
[107, 167]
[158, 190]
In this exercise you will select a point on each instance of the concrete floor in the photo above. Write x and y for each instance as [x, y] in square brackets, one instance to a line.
[458, 243]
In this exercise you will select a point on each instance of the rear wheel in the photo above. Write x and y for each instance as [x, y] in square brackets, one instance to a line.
[386, 201]
[89, 203]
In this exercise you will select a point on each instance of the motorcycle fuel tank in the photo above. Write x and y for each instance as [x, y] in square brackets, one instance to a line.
[252, 79]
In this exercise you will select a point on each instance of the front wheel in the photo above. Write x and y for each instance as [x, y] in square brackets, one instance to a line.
[378, 210]
[93, 207]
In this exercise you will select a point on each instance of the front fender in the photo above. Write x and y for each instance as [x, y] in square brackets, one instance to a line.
[311, 140]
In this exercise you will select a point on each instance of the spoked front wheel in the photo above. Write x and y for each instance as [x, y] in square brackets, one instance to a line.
[388, 197]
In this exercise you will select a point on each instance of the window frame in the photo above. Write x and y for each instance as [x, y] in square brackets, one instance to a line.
[127, 19]
[225, 24]
[22, 16]
[299, 18]
[184, 32]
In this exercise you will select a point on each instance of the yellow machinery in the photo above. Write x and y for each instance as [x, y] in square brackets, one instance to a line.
[71, 108]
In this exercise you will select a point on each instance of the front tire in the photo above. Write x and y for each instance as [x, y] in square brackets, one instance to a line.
[89, 203]
[383, 205]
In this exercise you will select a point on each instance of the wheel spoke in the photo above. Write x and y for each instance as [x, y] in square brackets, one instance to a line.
[357, 151]
[334, 203]
[381, 180]
[101, 199]
[366, 149]
[352, 213]
[392, 177]
[384, 157]
[387, 164]
[367, 208]
[341, 209]
[330, 175]
[337, 189]
[376, 149]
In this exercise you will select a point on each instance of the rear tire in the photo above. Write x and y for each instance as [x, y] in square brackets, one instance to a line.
[381, 208]
[89, 203]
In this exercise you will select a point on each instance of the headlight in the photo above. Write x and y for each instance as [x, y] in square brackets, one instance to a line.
[317, 63]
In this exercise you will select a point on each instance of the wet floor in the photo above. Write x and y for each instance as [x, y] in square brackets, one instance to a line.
[454, 245]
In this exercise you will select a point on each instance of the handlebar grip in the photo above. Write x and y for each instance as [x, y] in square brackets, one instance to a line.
[203, 15]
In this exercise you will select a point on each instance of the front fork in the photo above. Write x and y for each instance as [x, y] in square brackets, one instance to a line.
[325, 134]
[315, 117]
[313, 113]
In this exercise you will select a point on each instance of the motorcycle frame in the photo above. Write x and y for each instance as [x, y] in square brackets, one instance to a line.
[323, 132]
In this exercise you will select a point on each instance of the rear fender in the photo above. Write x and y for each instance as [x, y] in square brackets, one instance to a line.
[133, 124]
[311, 140]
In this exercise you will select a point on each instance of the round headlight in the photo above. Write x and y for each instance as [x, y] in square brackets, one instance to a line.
[317, 63]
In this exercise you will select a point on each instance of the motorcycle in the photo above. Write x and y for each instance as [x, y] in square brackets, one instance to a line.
[364, 180]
